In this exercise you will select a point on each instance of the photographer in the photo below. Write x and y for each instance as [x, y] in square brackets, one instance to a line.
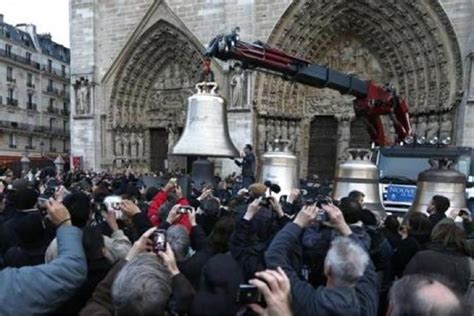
[163, 202]
[79, 206]
[43, 288]
[142, 284]
[253, 233]
[351, 287]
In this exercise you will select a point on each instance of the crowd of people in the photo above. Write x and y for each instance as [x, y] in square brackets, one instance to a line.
[65, 250]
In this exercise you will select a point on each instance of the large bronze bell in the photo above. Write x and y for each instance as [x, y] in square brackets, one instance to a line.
[440, 179]
[280, 166]
[359, 173]
[206, 132]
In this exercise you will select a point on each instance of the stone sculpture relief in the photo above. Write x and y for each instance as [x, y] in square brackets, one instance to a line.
[433, 127]
[446, 126]
[82, 96]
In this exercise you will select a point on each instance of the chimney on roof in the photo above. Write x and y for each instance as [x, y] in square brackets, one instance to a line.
[1, 18]
[28, 28]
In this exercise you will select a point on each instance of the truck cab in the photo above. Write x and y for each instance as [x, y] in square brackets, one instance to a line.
[399, 167]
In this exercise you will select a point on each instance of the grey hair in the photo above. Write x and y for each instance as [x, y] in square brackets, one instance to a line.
[407, 297]
[178, 238]
[142, 288]
[347, 261]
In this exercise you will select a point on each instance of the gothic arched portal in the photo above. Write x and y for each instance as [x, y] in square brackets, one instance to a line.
[149, 94]
[412, 44]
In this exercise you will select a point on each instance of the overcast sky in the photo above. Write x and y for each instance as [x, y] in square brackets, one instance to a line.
[49, 16]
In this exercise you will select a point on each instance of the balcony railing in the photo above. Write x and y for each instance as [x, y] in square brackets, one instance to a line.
[31, 106]
[11, 79]
[19, 59]
[30, 128]
[57, 92]
[30, 85]
[12, 102]
[65, 112]
[55, 71]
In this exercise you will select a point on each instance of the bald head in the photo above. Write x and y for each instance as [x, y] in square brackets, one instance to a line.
[423, 295]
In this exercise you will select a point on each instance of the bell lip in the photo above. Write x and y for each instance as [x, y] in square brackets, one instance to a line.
[205, 155]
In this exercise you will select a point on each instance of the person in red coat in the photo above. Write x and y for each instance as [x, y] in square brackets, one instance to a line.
[170, 193]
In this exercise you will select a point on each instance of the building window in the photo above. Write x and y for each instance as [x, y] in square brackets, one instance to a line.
[51, 105]
[12, 141]
[51, 147]
[50, 85]
[30, 142]
[28, 57]
[65, 146]
[29, 80]
[63, 70]
[29, 105]
[10, 99]
[50, 65]
[51, 123]
[65, 125]
[9, 74]
[8, 50]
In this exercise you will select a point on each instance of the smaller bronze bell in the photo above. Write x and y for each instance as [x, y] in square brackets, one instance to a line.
[359, 173]
[440, 179]
[280, 166]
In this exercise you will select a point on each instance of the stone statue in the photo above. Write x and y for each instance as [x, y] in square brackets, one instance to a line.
[343, 137]
[270, 131]
[83, 100]
[172, 137]
[421, 127]
[119, 146]
[262, 137]
[284, 130]
[446, 126]
[292, 135]
[140, 144]
[237, 88]
[413, 123]
[278, 129]
[433, 127]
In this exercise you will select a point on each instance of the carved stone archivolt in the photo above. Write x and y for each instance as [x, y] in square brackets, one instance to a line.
[150, 90]
[411, 44]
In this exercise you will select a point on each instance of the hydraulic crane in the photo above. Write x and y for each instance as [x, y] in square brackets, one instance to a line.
[371, 100]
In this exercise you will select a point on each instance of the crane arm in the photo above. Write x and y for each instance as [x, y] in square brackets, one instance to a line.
[371, 101]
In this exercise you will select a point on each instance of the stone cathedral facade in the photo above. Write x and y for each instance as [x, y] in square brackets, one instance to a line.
[134, 63]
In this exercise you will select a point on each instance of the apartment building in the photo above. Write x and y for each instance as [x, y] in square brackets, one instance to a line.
[34, 97]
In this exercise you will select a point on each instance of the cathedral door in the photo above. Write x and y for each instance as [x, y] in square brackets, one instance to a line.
[323, 147]
[158, 149]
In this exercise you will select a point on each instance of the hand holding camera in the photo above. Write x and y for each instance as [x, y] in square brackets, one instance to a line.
[169, 260]
[252, 209]
[144, 243]
[275, 287]
[58, 214]
[175, 213]
[306, 216]
[336, 219]
[129, 208]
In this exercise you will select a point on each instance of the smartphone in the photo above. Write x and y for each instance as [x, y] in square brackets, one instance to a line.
[462, 212]
[159, 240]
[248, 294]
[283, 199]
[112, 203]
[184, 209]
